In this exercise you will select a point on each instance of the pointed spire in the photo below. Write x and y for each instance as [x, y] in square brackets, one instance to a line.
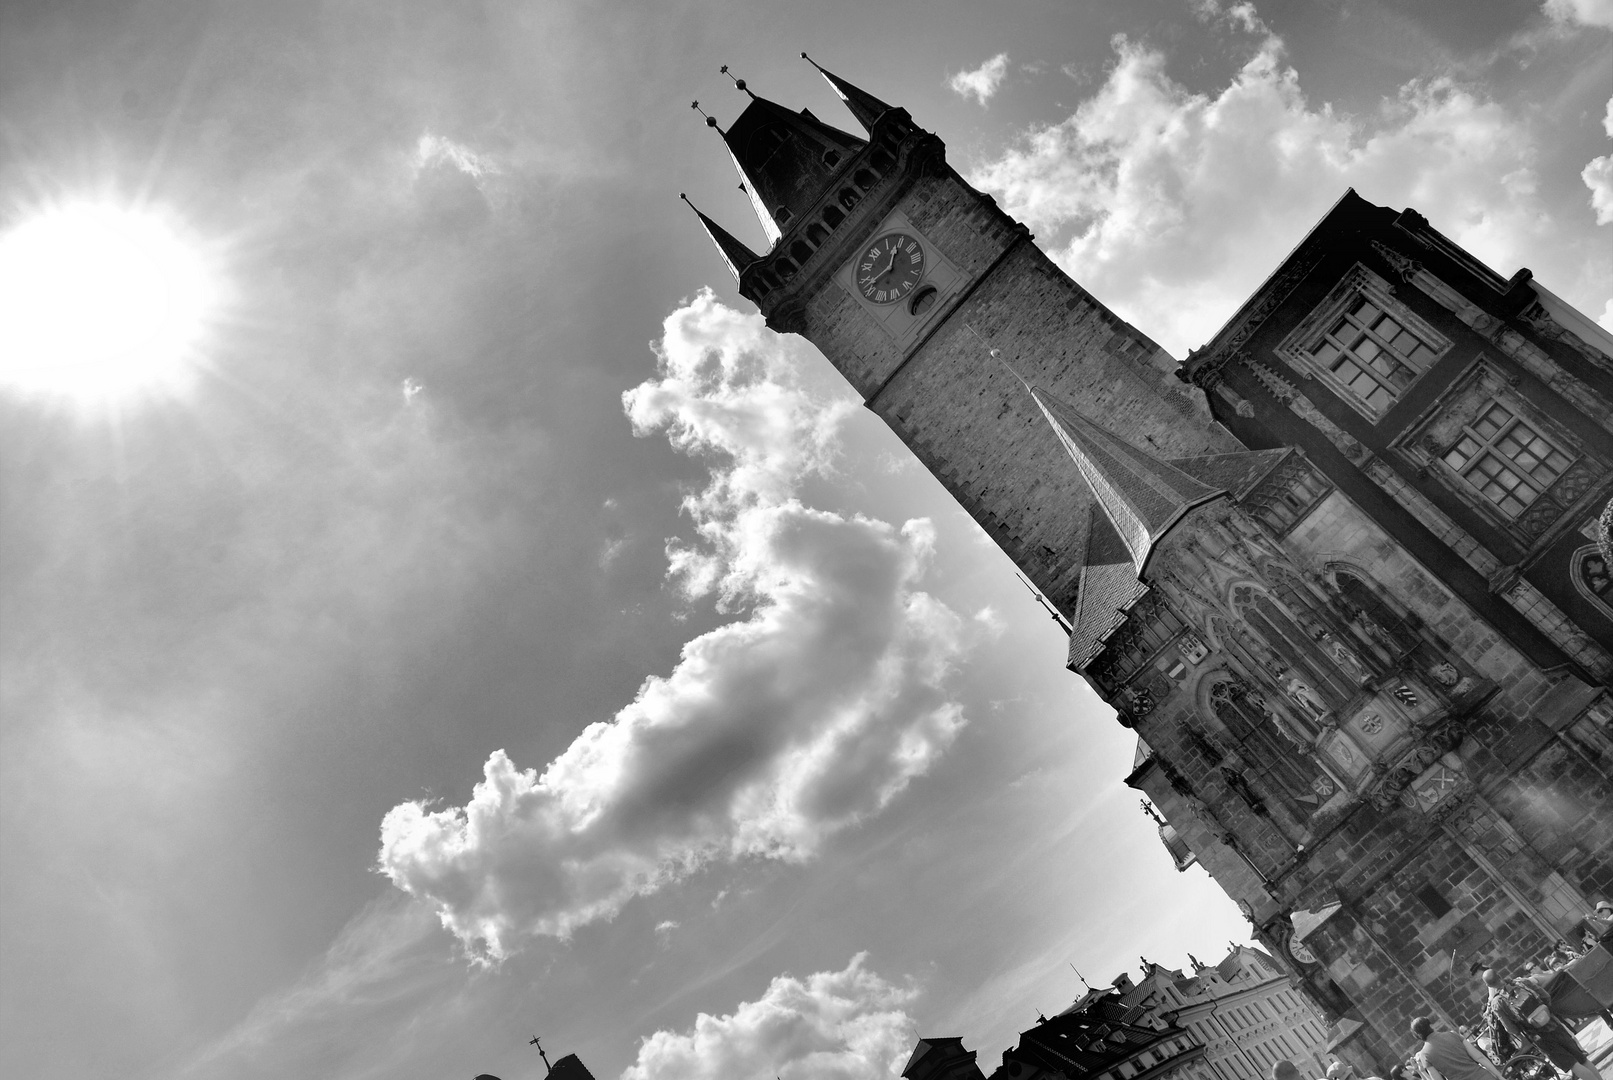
[785, 159]
[734, 253]
[864, 106]
[1142, 495]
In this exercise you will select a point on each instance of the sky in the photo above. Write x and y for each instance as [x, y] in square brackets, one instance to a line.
[492, 630]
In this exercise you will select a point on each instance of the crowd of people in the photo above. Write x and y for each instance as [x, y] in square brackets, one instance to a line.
[1524, 1025]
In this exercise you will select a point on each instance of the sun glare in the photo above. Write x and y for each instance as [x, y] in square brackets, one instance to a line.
[100, 304]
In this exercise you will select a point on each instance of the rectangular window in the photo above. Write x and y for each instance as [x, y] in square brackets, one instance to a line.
[1432, 899]
[1506, 459]
[1371, 355]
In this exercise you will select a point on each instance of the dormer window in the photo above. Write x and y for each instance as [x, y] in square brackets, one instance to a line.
[782, 215]
[831, 158]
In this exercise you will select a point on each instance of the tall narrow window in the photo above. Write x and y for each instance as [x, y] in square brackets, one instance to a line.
[1257, 741]
[1506, 459]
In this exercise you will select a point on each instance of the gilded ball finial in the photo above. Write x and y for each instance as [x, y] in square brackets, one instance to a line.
[711, 121]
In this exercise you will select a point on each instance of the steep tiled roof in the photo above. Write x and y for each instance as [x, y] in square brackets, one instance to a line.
[1142, 495]
[1107, 590]
[1237, 473]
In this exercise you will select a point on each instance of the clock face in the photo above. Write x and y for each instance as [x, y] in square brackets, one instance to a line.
[890, 268]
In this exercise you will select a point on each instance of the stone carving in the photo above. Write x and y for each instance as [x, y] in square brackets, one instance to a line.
[1306, 698]
[1342, 655]
[1405, 267]
[1370, 724]
[1406, 696]
[1193, 650]
[1445, 674]
[1206, 372]
[1323, 787]
[1538, 319]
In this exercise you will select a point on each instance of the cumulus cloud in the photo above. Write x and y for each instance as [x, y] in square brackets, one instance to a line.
[983, 81]
[1172, 206]
[833, 1025]
[1598, 176]
[773, 732]
[1584, 12]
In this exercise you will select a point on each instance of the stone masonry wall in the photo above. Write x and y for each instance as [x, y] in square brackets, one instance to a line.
[971, 422]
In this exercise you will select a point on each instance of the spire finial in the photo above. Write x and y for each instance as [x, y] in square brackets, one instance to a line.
[1148, 809]
[997, 355]
[536, 1041]
[1042, 600]
[738, 83]
[711, 121]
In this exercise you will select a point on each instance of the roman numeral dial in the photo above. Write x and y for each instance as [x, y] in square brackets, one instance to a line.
[890, 268]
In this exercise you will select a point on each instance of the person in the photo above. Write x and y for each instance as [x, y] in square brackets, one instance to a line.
[1283, 1069]
[1343, 1070]
[1526, 1013]
[1445, 1055]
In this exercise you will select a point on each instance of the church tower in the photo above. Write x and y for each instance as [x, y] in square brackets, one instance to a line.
[908, 280]
[1350, 602]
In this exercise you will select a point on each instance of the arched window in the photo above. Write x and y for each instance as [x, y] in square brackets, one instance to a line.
[1254, 735]
[817, 234]
[832, 216]
[1593, 578]
[848, 197]
[1382, 623]
[801, 251]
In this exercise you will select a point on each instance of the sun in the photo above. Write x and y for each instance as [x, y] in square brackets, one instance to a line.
[101, 304]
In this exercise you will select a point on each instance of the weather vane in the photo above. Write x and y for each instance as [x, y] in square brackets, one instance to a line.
[738, 83]
[711, 121]
[534, 1041]
[1042, 600]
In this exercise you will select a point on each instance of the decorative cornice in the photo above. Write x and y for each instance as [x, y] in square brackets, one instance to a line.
[1276, 293]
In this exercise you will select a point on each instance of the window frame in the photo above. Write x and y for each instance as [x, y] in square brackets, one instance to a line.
[1576, 567]
[1361, 284]
[1486, 446]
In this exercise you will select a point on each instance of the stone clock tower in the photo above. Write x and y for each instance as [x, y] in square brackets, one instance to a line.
[1337, 570]
[907, 279]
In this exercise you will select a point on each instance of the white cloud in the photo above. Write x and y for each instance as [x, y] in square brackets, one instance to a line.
[1598, 176]
[773, 731]
[1172, 206]
[1585, 12]
[983, 81]
[833, 1025]
[432, 149]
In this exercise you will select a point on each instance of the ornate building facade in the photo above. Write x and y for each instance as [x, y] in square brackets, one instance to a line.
[1338, 573]
[1227, 1021]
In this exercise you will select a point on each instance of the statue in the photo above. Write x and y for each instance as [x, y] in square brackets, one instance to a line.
[1306, 698]
[1346, 660]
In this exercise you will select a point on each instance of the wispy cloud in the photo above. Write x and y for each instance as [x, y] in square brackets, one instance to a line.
[772, 733]
[982, 82]
[383, 962]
